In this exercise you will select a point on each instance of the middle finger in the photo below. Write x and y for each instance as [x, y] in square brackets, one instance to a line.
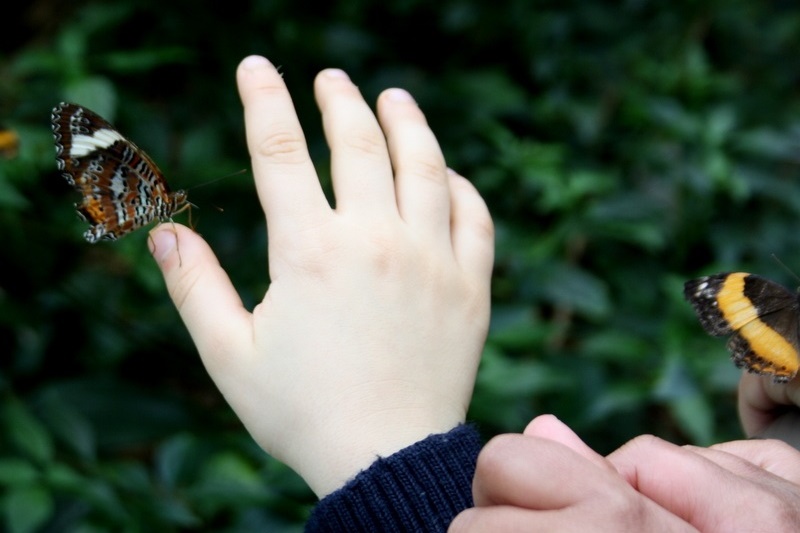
[360, 165]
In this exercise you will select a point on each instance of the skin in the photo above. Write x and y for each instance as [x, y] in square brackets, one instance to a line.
[377, 309]
[761, 401]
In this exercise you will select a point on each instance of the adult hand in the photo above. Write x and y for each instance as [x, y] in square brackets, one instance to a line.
[762, 402]
[369, 336]
[547, 479]
[733, 486]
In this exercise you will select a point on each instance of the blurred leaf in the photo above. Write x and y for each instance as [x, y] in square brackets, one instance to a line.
[574, 288]
[516, 326]
[615, 399]
[69, 425]
[177, 512]
[513, 378]
[227, 479]
[64, 478]
[693, 414]
[26, 509]
[10, 197]
[174, 458]
[17, 472]
[616, 345]
[675, 382]
[27, 432]
[97, 93]
[690, 408]
[132, 61]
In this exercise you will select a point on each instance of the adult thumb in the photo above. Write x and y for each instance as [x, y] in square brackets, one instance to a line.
[551, 428]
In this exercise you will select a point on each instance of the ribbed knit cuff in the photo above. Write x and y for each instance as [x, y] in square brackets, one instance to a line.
[420, 488]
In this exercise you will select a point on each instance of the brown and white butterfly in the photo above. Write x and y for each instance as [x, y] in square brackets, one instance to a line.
[122, 188]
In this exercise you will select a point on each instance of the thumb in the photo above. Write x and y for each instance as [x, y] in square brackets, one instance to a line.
[551, 428]
[203, 295]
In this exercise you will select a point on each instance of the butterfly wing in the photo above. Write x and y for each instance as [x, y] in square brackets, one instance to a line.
[762, 317]
[122, 189]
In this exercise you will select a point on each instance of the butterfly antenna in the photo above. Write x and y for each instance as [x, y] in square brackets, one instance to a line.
[786, 268]
[226, 176]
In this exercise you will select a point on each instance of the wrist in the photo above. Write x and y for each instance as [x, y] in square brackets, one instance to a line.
[337, 457]
[333, 444]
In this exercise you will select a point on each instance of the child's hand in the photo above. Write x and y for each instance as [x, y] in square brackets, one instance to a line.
[370, 334]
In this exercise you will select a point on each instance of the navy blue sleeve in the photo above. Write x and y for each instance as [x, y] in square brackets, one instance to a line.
[420, 488]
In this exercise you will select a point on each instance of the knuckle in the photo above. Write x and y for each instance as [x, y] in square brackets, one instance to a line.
[365, 141]
[311, 254]
[484, 227]
[386, 254]
[429, 169]
[181, 290]
[282, 146]
[494, 454]
[627, 505]
[784, 513]
[645, 442]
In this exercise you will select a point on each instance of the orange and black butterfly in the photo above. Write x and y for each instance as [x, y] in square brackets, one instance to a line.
[762, 318]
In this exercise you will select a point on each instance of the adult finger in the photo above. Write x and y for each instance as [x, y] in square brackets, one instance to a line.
[703, 493]
[601, 517]
[748, 458]
[550, 427]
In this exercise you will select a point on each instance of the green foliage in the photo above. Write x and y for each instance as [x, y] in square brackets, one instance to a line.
[621, 150]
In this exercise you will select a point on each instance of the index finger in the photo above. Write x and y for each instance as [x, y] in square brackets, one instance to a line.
[699, 490]
[743, 456]
[286, 180]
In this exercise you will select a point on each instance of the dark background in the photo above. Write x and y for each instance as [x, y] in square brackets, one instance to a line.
[621, 150]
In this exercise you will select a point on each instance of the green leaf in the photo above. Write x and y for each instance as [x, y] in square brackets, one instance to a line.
[28, 434]
[64, 478]
[574, 288]
[172, 459]
[27, 508]
[10, 197]
[69, 425]
[95, 92]
[14, 471]
[694, 416]
[141, 60]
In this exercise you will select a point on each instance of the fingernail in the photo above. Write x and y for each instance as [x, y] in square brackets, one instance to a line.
[399, 95]
[336, 73]
[255, 62]
[161, 243]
